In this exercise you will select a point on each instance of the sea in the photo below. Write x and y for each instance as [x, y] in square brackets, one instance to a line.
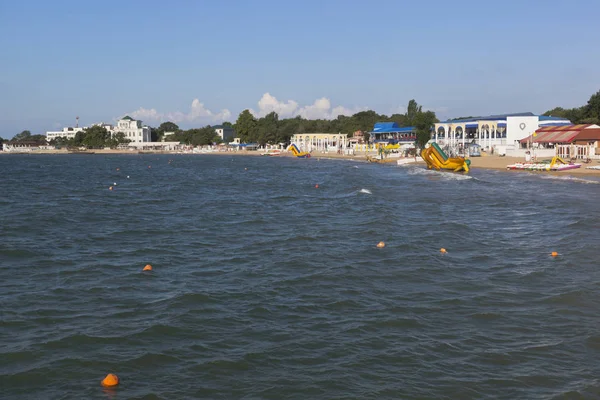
[267, 282]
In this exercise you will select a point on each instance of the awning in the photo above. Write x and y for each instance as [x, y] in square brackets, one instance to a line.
[552, 137]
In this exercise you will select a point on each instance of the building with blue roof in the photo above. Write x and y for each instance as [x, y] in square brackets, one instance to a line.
[390, 132]
[492, 130]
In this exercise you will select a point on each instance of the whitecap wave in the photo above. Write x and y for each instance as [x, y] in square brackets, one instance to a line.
[450, 176]
[569, 178]
[366, 191]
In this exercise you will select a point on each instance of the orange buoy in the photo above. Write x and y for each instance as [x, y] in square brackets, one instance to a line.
[381, 245]
[148, 267]
[110, 380]
[118, 169]
[149, 166]
[554, 254]
[443, 250]
[110, 188]
[317, 186]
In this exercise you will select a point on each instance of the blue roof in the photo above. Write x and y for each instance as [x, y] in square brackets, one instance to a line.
[492, 117]
[551, 118]
[557, 123]
[391, 127]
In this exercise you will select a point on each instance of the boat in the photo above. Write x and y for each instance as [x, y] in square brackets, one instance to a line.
[408, 160]
[80, 152]
[556, 164]
[381, 160]
[271, 152]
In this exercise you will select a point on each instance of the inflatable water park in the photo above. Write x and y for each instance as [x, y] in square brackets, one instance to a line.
[437, 159]
[556, 164]
[298, 153]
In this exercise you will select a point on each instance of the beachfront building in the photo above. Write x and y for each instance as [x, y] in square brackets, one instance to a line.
[133, 130]
[226, 133]
[390, 132]
[320, 141]
[492, 131]
[68, 133]
[569, 141]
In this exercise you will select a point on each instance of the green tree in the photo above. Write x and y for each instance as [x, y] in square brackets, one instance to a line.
[227, 124]
[423, 122]
[591, 111]
[96, 137]
[157, 134]
[412, 111]
[23, 136]
[246, 126]
[267, 129]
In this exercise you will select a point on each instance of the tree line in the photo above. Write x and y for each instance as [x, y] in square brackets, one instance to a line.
[586, 114]
[272, 130]
[250, 129]
[94, 137]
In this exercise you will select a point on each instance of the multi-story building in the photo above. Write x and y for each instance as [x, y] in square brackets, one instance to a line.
[493, 130]
[133, 130]
[226, 133]
[68, 132]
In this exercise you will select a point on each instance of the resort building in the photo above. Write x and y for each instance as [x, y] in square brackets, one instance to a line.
[493, 130]
[67, 132]
[133, 130]
[390, 132]
[226, 133]
[569, 141]
[320, 141]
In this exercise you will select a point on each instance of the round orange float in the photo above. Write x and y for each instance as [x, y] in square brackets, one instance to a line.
[110, 380]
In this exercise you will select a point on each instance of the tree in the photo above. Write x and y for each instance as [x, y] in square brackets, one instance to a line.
[245, 126]
[267, 129]
[20, 137]
[156, 134]
[591, 111]
[96, 137]
[227, 124]
[423, 122]
[412, 111]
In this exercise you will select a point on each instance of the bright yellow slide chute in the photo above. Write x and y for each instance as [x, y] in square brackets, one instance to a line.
[436, 159]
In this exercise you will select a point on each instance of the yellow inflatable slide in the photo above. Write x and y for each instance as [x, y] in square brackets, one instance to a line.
[297, 153]
[436, 159]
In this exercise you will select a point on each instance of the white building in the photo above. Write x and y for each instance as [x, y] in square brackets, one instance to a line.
[226, 133]
[166, 135]
[133, 130]
[330, 142]
[67, 132]
[494, 130]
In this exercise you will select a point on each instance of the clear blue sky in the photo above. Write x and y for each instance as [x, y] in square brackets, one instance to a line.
[101, 60]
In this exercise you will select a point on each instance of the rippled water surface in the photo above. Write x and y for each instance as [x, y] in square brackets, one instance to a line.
[266, 287]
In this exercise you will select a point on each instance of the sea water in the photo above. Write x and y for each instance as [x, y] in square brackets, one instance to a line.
[265, 286]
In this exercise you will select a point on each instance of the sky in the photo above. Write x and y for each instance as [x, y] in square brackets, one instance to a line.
[203, 62]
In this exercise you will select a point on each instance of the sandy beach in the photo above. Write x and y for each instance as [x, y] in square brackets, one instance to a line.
[490, 162]
[485, 162]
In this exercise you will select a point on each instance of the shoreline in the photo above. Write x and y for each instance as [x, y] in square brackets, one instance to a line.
[492, 162]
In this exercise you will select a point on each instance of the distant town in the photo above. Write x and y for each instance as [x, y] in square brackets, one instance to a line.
[505, 134]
